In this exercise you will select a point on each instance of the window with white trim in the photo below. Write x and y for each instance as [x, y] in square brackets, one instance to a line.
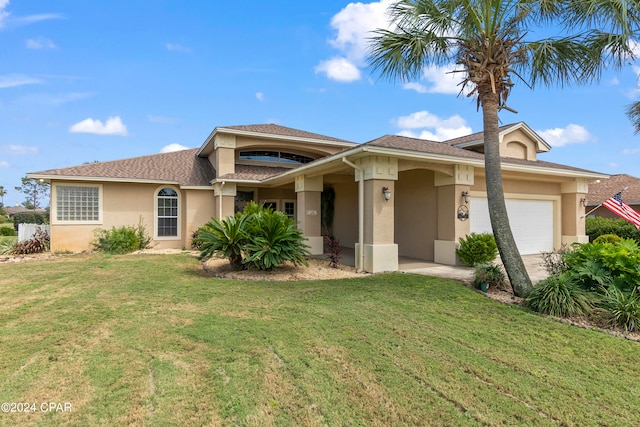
[167, 213]
[77, 203]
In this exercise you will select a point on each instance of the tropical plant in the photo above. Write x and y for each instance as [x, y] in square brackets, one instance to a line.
[274, 239]
[633, 113]
[558, 295]
[327, 210]
[3, 193]
[477, 248]
[7, 246]
[335, 251]
[224, 238]
[623, 307]
[490, 274]
[489, 43]
[39, 242]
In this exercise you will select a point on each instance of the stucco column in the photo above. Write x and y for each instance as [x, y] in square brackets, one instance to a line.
[308, 191]
[380, 253]
[225, 198]
[572, 211]
[453, 212]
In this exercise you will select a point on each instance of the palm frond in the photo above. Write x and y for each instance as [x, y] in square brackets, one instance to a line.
[633, 113]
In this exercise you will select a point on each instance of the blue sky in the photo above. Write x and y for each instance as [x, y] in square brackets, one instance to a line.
[84, 81]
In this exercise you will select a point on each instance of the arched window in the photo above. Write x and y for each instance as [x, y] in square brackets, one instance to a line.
[167, 213]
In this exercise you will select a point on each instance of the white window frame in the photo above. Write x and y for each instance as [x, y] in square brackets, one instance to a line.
[155, 214]
[54, 204]
[295, 208]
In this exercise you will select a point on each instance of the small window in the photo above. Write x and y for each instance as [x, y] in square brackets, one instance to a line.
[167, 214]
[275, 156]
[290, 209]
[77, 203]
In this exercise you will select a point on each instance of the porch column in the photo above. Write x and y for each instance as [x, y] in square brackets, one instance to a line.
[225, 197]
[572, 211]
[380, 253]
[453, 212]
[308, 191]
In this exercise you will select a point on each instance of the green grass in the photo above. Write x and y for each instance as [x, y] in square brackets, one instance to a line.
[150, 340]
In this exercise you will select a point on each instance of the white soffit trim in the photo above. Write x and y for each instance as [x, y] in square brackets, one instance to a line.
[99, 179]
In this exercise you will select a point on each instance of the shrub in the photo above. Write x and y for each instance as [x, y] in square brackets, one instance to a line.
[195, 243]
[7, 231]
[274, 239]
[7, 246]
[623, 307]
[257, 237]
[607, 238]
[553, 262]
[598, 226]
[335, 251]
[224, 238]
[39, 242]
[491, 274]
[559, 296]
[477, 248]
[28, 218]
[121, 240]
[598, 266]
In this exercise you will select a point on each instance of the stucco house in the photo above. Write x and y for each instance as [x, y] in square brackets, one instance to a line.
[603, 189]
[394, 196]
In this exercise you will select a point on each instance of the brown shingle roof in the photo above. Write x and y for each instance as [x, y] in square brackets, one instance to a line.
[606, 188]
[183, 167]
[443, 148]
[475, 137]
[273, 129]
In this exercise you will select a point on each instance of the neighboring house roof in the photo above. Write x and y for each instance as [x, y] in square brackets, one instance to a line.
[12, 210]
[179, 167]
[603, 189]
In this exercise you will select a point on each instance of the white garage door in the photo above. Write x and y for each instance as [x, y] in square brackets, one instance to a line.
[531, 222]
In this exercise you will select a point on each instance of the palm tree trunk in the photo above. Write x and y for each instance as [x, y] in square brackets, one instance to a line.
[509, 253]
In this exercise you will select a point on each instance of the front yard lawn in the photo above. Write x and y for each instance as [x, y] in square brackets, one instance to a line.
[150, 340]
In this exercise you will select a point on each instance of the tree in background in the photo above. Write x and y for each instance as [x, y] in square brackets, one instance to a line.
[3, 193]
[35, 190]
[633, 112]
[488, 41]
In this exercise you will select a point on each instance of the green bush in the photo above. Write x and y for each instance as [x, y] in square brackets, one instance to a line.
[121, 240]
[598, 226]
[624, 308]
[7, 231]
[28, 218]
[491, 274]
[559, 296]
[599, 266]
[477, 248]
[258, 237]
[7, 246]
[607, 238]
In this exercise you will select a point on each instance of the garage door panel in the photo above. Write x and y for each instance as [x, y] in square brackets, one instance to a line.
[531, 222]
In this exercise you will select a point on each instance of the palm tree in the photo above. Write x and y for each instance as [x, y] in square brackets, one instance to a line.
[2, 194]
[633, 112]
[487, 40]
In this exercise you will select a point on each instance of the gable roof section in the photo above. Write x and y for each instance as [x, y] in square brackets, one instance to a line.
[179, 167]
[477, 138]
[601, 190]
[254, 173]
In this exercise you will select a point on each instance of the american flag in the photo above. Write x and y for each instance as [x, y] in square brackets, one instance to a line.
[620, 208]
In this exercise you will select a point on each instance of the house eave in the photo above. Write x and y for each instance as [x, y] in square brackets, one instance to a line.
[49, 178]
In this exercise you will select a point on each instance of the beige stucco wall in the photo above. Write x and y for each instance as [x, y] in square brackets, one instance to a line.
[416, 211]
[125, 204]
[519, 145]
[345, 221]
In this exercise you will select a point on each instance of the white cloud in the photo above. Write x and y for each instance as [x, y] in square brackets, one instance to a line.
[13, 80]
[260, 96]
[420, 88]
[173, 147]
[635, 47]
[4, 165]
[572, 134]
[31, 19]
[175, 47]
[353, 26]
[40, 43]
[437, 129]
[442, 79]
[631, 151]
[161, 119]
[113, 126]
[340, 69]
[20, 149]
[3, 13]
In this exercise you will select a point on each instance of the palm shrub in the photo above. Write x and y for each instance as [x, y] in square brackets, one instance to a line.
[491, 274]
[558, 295]
[623, 308]
[477, 248]
[224, 238]
[38, 243]
[274, 239]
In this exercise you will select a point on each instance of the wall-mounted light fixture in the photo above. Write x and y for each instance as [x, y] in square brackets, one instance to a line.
[386, 192]
[583, 202]
[465, 195]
